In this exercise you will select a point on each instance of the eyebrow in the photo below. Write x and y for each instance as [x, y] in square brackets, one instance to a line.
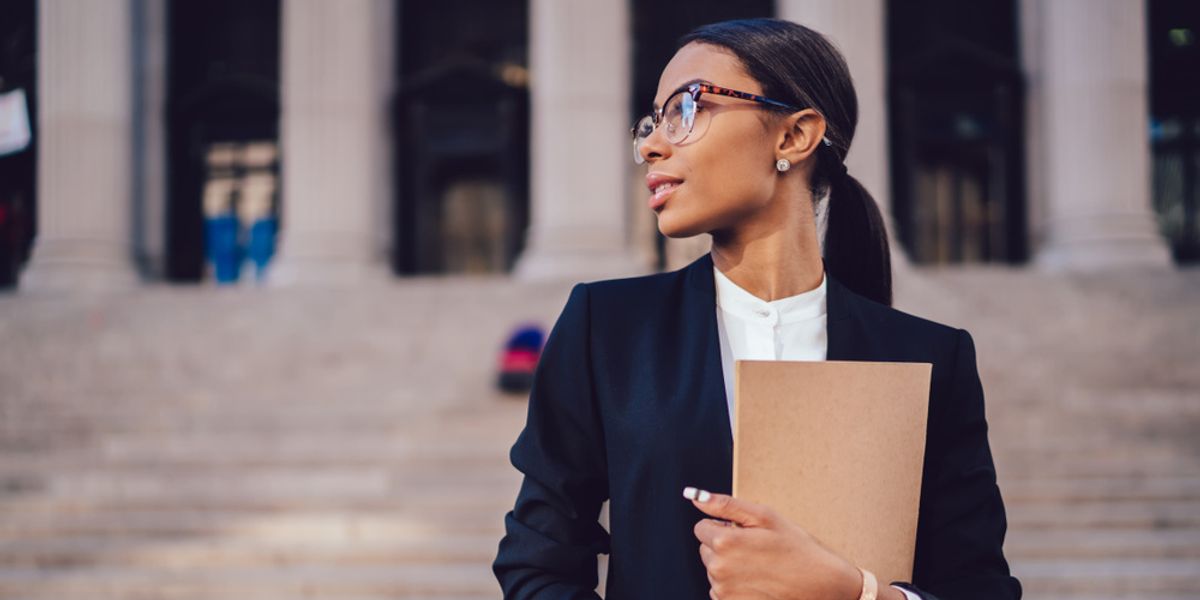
[682, 86]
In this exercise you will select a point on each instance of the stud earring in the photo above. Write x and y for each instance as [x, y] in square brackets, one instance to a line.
[783, 164]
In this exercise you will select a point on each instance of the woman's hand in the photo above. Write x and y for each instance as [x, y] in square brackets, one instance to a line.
[750, 551]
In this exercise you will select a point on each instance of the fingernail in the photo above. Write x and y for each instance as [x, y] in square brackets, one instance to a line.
[689, 493]
[704, 496]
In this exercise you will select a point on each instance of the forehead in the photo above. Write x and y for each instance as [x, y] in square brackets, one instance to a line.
[704, 62]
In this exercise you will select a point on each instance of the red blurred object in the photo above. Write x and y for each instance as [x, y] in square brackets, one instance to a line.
[519, 359]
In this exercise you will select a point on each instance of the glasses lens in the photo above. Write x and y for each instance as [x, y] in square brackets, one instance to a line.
[641, 131]
[679, 116]
[643, 128]
[689, 113]
[673, 118]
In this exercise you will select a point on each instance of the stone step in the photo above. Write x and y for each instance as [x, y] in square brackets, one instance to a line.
[1148, 577]
[1015, 465]
[109, 485]
[396, 523]
[495, 417]
[1113, 515]
[349, 487]
[264, 452]
[167, 424]
[341, 406]
[267, 462]
[245, 551]
[1106, 488]
[1028, 545]
[435, 581]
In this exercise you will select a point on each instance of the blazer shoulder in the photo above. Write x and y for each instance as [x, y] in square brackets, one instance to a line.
[899, 318]
[632, 293]
[916, 337]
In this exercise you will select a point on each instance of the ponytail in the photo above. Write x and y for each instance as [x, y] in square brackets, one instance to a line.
[857, 252]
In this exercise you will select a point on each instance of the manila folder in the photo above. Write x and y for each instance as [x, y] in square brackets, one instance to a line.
[836, 447]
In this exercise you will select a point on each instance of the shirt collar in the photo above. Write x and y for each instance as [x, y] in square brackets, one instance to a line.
[732, 299]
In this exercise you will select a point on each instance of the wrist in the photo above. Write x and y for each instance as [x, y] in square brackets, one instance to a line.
[870, 586]
[866, 586]
[853, 583]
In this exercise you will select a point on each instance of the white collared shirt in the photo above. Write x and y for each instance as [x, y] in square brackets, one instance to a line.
[751, 328]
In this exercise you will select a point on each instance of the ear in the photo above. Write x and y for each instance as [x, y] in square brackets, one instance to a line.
[800, 135]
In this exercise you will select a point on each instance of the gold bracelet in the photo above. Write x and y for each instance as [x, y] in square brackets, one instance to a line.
[870, 585]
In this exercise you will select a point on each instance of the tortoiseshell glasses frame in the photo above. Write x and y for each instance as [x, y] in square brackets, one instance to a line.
[678, 113]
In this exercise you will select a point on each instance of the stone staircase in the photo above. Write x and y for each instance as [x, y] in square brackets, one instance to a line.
[185, 443]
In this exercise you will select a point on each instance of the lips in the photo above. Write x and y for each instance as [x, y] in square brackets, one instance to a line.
[661, 186]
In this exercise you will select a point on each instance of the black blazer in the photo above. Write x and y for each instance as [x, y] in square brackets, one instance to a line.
[628, 405]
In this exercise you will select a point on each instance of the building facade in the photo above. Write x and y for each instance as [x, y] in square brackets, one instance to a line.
[329, 142]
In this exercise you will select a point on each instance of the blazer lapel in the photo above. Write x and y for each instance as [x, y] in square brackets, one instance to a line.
[847, 335]
[699, 312]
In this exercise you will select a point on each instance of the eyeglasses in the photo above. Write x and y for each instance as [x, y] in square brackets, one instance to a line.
[678, 114]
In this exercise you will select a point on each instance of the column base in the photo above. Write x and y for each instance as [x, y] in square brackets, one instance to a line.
[1101, 255]
[76, 277]
[1100, 242]
[79, 265]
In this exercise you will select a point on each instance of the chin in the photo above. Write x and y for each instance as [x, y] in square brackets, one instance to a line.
[673, 227]
[679, 225]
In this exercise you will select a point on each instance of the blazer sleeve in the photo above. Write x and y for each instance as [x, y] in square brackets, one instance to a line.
[961, 527]
[553, 534]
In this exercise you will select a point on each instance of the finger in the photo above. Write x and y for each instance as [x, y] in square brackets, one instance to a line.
[706, 555]
[707, 530]
[722, 506]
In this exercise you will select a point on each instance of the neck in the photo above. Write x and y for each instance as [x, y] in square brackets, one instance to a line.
[774, 255]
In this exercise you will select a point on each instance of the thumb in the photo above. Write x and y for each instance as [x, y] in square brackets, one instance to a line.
[722, 506]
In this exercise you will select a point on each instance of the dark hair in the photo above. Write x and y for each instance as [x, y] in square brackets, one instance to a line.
[797, 65]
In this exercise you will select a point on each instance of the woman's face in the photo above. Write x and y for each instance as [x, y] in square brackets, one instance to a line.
[726, 167]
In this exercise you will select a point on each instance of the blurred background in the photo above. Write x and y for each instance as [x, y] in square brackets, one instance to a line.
[265, 265]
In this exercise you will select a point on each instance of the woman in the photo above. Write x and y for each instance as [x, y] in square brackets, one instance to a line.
[631, 400]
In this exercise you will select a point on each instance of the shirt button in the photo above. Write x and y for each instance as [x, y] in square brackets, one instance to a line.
[762, 313]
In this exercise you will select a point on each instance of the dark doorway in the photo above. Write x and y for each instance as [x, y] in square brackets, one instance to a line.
[222, 95]
[461, 126]
[1174, 39]
[657, 27]
[956, 97]
[18, 157]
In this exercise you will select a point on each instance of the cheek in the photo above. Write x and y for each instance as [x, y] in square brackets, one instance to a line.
[737, 181]
[734, 171]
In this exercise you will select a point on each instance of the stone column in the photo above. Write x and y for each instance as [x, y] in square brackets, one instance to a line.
[336, 90]
[581, 154]
[84, 171]
[1088, 132]
[859, 30]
